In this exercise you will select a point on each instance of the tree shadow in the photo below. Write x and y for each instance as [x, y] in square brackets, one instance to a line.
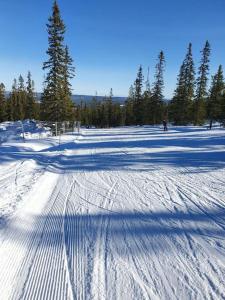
[201, 154]
[122, 227]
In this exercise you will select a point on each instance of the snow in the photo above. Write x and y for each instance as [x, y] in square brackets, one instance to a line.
[124, 213]
[14, 131]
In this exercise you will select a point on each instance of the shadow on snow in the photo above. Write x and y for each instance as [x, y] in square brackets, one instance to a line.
[205, 152]
[139, 231]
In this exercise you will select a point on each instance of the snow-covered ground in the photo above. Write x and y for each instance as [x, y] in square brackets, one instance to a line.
[126, 213]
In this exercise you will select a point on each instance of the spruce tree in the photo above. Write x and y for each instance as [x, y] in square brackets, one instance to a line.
[110, 108]
[201, 91]
[3, 109]
[157, 105]
[12, 102]
[181, 104]
[56, 102]
[147, 101]
[177, 105]
[16, 104]
[189, 79]
[129, 107]
[69, 73]
[215, 100]
[138, 97]
[31, 110]
[21, 98]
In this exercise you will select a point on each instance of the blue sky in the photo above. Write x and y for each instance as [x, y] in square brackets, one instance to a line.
[108, 40]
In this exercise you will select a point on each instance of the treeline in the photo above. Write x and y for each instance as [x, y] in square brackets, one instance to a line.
[192, 103]
[143, 105]
[21, 102]
[104, 113]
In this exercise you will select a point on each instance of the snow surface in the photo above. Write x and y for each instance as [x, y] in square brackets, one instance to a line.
[126, 213]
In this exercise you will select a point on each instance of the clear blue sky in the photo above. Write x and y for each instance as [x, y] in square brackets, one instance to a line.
[108, 40]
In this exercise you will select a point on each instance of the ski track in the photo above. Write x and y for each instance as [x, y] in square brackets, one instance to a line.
[113, 234]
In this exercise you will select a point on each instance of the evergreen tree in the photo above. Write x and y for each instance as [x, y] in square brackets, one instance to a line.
[138, 98]
[31, 109]
[157, 105]
[16, 105]
[215, 100]
[12, 102]
[129, 107]
[3, 110]
[181, 104]
[189, 79]
[21, 98]
[147, 84]
[177, 105]
[56, 100]
[201, 91]
[147, 101]
[94, 112]
[69, 73]
[110, 109]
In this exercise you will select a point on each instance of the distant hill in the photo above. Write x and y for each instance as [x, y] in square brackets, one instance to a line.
[88, 98]
[85, 98]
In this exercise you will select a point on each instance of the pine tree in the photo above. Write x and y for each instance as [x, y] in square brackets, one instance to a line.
[189, 79]
[147, 101]
[215, 100]
[138, 97]
[201, 91]
[56, 100]
[21, 98]
[16, 100]
[69, 73]
[94, 112]
[12, 103]
[181, 104]
[177, 105]
[31, 110]
[129, 107]
[110, 108]
[3, 111]
[147, 84]
[157, 105]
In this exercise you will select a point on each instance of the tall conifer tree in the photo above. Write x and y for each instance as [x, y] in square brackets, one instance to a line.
[129, 107]
[56, 100]
[181, 104]
[215, 100]
[31, 110]
[201, 91]
[3, 111]
[157, 91]
[138, 97]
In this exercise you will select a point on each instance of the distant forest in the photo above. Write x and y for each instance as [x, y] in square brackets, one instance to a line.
[192, 103]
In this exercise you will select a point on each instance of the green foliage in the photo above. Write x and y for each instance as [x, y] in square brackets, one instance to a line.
[56, 100]
[101, 114]
[156, 105]
[215, 103]
[31, 110]
[201, 91]
[180, 109]
[138, 97]
[129, 108]
[3, 108]
[21, 103]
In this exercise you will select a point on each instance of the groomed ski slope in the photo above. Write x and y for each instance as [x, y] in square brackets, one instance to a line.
[126, 213]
